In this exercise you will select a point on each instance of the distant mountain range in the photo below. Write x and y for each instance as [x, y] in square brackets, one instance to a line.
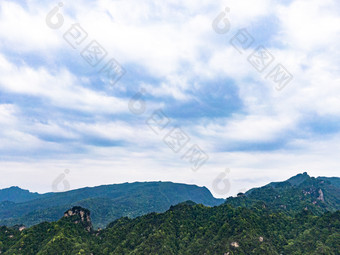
[110, 202]
[17, 195]
[297, 216]
[106, 203]
[299, 192]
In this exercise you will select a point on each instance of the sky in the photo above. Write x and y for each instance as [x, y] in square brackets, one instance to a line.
[224, 94]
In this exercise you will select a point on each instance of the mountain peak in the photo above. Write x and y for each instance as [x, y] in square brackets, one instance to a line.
[12, 188]
[298, 179]
[16, 194]
[180, 205]
[106, 202]
[79, 215]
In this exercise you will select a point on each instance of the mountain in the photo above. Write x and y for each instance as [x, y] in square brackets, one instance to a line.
[185, 229]
[17, 195]
[297, 216]
[333, 180]
[107, 202]
[300, 192]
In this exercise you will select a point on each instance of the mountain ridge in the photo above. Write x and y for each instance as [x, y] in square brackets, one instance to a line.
[186, 228]
[251, 223]
[112, 201]
[301, 191]
[17, 194]
[107, 202]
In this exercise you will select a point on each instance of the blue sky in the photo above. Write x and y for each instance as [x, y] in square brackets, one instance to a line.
[58, 112]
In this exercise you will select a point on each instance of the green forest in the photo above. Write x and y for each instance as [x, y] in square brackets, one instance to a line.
[290, 217]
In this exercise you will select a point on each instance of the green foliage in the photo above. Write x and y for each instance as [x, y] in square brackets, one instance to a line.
[300, 192]
[106, 203]
[17, 195]
[250, 224]
[185, 229]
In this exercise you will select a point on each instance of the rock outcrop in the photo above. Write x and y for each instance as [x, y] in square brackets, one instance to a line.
[80, 215]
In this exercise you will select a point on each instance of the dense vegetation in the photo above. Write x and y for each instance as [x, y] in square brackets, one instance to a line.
[106, 203]
[252, 223]
[300, 192]
[184, 229]
[17, 195]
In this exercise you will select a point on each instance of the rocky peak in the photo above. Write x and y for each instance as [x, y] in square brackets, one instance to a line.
[321, 197]
[298, 179]
[79, 215]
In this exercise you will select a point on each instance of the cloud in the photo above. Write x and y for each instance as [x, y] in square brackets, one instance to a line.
[23, 29]
[55, 107]
[309, 25]
[61, 88]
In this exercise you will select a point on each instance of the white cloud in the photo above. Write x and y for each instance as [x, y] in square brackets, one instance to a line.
[309, 25]
[25, 30]
[61, 89]
[173, 41]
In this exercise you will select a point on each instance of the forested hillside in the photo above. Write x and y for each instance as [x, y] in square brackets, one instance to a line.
[106, 203]
[183, 229]
[297, 216]
[300, 192]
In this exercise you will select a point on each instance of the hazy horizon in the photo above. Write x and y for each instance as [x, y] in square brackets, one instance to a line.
[230, 193]
[235, 93]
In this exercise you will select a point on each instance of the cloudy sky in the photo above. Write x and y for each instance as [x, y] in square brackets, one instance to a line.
[197, 100]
